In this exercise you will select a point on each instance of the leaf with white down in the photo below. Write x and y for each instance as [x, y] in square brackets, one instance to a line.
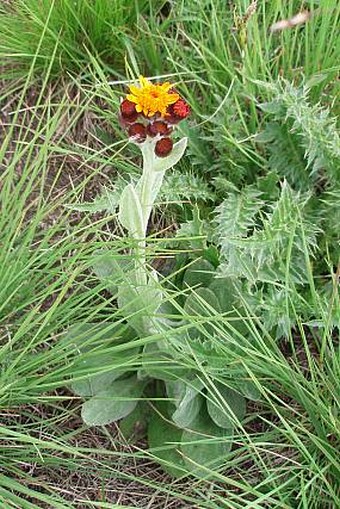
[111, 269]
[226, 407]
[139, 304]
[107, 202]
[189, 406]
[113, 403]
[130, 212]
[205, 446]
[165, 163]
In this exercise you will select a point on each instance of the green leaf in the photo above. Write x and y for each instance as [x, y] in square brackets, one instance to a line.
[88, 336]
[107, 202]
[114, 403]
[198, 149]
[111, 270]
[130, 212]
[226, 404]
[96, 368]
[199, 273]
[195, 231]
[205, 446]
[93, 384]
[202, 303]
[139, 304]
[165, 163]
[224, 289]
[212, 255]
[189, 405]
[164, 442]
[175, 390]
[134, 425]
[249, 390]
[159, 364]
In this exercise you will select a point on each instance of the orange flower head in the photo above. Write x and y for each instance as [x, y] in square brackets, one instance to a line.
[151, 99]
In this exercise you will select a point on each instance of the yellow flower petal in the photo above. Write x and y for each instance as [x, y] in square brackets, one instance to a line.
[132, 98]
[152, 98]
[134, 89]
[166, 86]
[143, 81]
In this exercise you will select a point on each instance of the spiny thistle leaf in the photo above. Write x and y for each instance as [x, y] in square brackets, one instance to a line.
[313, 126]
[106, 202]
[260, 251]
[236, 217]
[179, 186]
[285, 155]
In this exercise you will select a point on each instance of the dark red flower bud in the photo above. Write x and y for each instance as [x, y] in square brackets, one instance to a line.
[128, 111]
[137, 131]
[181, 109]
[177, 111]
[158, 127]
[163, 147]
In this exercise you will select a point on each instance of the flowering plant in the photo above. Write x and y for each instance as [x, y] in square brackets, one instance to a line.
[150, 113]
[114, 383]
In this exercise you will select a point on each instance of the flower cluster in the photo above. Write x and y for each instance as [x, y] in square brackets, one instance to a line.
[151, 111]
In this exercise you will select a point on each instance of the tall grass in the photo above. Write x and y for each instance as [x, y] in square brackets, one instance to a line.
[43, 289]
[68, 32]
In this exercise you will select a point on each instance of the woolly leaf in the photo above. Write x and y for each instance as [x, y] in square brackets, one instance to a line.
[189, 405]
[237, 214]
[313, 126]
[205, 446]
[226, 406]
[164, 441]
[117, 401]
[107, 202]
[179, 186]
[130, 212]
[261, 252]
[286, 157]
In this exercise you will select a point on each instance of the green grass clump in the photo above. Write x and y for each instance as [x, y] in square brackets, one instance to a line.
[66, 32]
